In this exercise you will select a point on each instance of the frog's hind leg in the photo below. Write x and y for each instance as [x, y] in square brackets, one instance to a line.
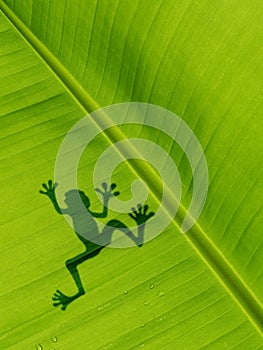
[72, 265]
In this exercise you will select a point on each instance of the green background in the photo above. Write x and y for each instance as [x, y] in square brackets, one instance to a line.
[199, 59]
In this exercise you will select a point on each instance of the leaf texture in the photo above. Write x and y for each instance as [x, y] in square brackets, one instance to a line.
[201, 61]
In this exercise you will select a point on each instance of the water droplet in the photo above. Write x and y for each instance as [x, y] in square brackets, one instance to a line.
[100, 308]
[125, 292]
[161, 293]
[147, 302]
[39, 347]
[142, 345]
[54, 339]
[152, 286]
[143, 325]
[162, 318]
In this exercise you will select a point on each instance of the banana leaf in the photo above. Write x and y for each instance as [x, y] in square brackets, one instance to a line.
[62, 60]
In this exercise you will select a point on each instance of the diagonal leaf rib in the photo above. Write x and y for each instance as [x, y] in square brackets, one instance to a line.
[197, 237]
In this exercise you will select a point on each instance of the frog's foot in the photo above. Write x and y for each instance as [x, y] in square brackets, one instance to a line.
[60, 298]
[140, 214]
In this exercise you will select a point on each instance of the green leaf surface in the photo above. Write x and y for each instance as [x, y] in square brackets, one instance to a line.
[201, 60]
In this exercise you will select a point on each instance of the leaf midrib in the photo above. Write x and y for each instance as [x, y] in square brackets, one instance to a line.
[198, 238]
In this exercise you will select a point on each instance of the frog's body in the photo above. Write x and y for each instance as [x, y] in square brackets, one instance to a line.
[87, 231]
